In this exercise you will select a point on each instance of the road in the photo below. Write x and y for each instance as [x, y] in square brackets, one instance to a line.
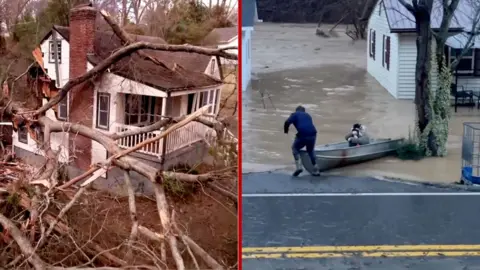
[357, 223]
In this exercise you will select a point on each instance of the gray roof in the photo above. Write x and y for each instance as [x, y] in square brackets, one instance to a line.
[248, 12]
[401, 20]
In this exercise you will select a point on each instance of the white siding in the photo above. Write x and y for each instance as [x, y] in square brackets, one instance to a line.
[246, 57]
[407, 62]
[387, 78]
[469, 83]
[63, 67]
[232, 43]
[216, 71]
[58, 141]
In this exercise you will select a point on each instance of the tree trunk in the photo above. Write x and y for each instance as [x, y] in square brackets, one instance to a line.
[422, 77]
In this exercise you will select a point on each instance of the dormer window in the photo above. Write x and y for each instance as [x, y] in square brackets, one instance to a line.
[51, 54]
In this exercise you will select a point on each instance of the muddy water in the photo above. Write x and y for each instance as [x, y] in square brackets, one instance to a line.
[328, 77]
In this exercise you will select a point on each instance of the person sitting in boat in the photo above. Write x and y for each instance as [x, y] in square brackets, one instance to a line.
[306, 137]
[357, 136]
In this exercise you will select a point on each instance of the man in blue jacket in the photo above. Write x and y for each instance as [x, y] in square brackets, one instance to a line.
[306, 137]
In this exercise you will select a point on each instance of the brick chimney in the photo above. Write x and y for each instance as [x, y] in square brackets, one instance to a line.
[82, 35]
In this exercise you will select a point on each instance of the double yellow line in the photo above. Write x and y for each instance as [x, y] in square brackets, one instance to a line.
[361, 251]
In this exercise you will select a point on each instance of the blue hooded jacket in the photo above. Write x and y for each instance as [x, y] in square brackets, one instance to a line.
[303, 122]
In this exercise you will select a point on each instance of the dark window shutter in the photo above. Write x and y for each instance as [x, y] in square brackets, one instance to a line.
[374, 43]
[388, 53]
[383, 51]
[476, 65]
[370, 43]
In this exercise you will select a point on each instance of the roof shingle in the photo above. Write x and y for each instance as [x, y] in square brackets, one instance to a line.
[136, 68]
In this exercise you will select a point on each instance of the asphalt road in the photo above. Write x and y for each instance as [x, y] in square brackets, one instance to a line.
[357, 223]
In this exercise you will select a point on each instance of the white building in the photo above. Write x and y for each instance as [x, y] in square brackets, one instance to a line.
[135, 92]
[392, 51]
[249, 11]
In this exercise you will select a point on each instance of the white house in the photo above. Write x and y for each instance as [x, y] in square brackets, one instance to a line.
[391, 50]
[134, 92]
[249, 12]
[223, 38]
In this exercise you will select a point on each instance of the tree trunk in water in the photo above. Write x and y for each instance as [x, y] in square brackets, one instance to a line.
[422, 77]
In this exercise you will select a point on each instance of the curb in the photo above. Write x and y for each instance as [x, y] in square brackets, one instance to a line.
[452, 186]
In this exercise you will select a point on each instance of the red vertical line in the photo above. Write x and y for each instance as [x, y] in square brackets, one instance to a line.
[239, 135]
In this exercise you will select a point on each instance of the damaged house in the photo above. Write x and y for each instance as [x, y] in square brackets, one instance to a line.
[133, 93]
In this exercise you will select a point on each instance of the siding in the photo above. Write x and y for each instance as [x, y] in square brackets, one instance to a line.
[387, 78]
[407, 55]
[246, 58]
[469, 83]
[63, 67]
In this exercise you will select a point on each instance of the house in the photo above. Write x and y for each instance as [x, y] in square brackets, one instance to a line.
[249, 8]
[134, 92]
[391, 50]
[222, 38]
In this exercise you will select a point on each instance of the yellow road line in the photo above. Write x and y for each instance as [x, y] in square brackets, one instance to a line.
[313, 255]
[359, 248]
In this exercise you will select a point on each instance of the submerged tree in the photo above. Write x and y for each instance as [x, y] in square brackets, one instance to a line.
[433, 107]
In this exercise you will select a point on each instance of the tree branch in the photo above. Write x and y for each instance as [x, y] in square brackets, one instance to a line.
[23, 243]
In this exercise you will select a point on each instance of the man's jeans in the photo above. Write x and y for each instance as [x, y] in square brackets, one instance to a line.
[301, 142]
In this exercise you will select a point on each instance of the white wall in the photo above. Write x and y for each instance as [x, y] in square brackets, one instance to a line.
[118, 84]
[407, 63]
[231, 43]
[63, 67]
[58, 141]
[469, 83]
[387, 78]
[246, 57]
[216, 71]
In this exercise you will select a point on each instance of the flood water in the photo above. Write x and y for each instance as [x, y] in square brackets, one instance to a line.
[328, 76]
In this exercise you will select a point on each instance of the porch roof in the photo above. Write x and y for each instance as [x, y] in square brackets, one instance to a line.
[401, 20]
[181, 71]
[459, 41]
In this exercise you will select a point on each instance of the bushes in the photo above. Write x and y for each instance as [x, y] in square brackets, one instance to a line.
[411, 149]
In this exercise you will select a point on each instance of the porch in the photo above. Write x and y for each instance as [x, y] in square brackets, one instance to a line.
[134, 111]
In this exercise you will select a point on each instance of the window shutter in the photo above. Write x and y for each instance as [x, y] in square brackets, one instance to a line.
[370, 43]
[374, 44]
[476, 65]
[383, 51]
[388, 53]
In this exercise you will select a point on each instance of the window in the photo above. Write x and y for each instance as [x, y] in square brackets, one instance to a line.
[386, 52]
[208, 98]
[23, 135]
[62, 108]
[51, 55]
[217, 100]
[142, 110]
[212, 67]
[371, 44]
[466, 63]
[103, 110]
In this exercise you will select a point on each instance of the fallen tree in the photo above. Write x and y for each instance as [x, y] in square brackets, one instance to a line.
[35, 194]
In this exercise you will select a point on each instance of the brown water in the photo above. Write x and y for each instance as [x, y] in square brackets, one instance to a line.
[328, 77]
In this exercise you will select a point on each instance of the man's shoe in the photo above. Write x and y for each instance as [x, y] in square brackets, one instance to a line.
[316, 170]
[299, 169]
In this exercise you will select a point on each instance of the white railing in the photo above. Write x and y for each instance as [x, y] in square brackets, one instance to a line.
[154, 148]
[184, 136]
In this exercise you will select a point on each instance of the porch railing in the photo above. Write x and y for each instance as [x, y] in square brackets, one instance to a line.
[190, 133]
[184, 136]
[154, 149]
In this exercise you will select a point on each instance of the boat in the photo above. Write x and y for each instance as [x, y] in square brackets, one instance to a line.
[335, 155]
